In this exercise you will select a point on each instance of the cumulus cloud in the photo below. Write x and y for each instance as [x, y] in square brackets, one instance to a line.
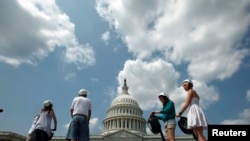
[202, 35]
[80, 56]
[30, 30]
[208, 94]
[147, 79]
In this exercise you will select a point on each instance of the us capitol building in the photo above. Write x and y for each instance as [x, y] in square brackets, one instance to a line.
[123, 122]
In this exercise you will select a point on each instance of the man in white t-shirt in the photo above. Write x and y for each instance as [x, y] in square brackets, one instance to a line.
[80, 111]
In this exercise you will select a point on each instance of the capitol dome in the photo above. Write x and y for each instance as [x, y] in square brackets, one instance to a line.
[124, 113]
[124, 99]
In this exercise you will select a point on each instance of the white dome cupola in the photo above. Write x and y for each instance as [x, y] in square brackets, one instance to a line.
[124, 113]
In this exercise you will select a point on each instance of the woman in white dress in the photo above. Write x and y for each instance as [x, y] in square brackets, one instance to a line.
[196, 119]
[42, 128]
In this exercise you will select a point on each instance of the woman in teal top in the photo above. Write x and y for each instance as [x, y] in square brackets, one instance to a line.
[167, 115]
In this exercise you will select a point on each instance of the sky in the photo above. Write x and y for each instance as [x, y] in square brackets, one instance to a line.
[50, 49]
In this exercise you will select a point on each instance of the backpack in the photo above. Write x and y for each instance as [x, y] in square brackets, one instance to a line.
[154, 125]
[182, 123]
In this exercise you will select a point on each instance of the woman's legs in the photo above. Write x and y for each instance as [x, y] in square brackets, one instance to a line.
[199, 133]
[170, 126]
[170, 134]
[28, 138]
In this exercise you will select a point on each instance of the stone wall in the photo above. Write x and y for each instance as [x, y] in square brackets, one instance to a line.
[119, 136]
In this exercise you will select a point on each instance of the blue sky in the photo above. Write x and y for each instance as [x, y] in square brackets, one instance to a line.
[50, 49]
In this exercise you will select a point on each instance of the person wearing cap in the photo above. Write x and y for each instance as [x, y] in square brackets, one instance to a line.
[80, 112]
[196, 119]
[29, 137]
[167, 115]
[42, 125]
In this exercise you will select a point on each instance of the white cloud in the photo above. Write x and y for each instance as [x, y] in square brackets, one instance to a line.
[94, 80]
[110, 92]
[208, 94]
[66, 126]
[248, 95]
[70, 76]
[244, 118]
[106, 36]
[217, 64]
[33, 29]
[80, 56]
[199, 33]
[93, 126]
[147, 79]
